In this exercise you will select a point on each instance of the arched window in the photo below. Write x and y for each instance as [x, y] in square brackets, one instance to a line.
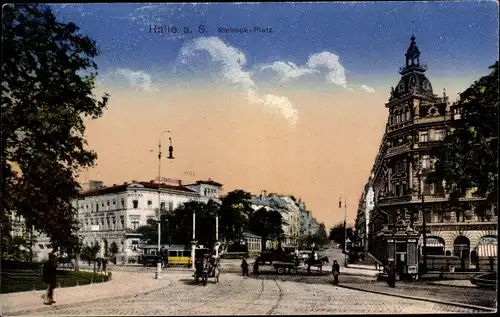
[461, 247]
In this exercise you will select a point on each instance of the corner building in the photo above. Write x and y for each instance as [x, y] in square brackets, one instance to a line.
[418, 122]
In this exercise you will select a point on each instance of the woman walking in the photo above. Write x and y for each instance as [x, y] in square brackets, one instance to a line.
[335, 272]
[49, 278]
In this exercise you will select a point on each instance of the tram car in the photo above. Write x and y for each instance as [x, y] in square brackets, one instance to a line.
[173, 255]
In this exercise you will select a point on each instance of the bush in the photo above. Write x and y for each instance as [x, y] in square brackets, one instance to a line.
[28, 280]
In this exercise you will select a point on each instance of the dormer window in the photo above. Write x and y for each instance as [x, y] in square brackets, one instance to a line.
[135, 203]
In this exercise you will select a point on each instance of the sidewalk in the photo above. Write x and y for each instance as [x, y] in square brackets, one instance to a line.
[122, 284]
[455, 283]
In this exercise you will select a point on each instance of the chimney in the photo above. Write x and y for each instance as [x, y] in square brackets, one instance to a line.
[152, 181]
[134, 181]
[264, 193]
[125, 183]
[180, 182]
[114, 184]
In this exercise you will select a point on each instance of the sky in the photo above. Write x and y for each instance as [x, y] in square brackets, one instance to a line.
[283, 97]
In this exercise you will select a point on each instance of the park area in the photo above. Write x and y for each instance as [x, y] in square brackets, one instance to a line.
[22, 277]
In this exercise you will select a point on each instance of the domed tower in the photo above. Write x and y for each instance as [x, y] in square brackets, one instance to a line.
[413, 94]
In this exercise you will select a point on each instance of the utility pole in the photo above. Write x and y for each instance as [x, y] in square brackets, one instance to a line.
[345, 231]
[424, 222]
[170, 156]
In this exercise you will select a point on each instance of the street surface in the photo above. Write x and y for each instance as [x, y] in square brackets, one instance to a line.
[134, 291]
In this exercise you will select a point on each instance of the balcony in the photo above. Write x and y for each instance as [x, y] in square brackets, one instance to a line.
[385, 201]
[400, 149]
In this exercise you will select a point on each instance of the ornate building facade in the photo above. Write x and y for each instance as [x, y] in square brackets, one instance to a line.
[112, 214]
[417, 123]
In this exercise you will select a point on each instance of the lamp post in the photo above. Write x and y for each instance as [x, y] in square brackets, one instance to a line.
[193, 243]
[345, 231]
[424, 222]
[170, 156]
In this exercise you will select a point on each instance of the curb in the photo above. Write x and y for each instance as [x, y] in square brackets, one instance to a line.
[448, 285]
[486, 309]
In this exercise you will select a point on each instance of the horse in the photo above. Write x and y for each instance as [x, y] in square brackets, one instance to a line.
[317, 263]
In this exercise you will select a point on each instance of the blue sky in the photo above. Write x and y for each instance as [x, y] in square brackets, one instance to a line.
[369, 38]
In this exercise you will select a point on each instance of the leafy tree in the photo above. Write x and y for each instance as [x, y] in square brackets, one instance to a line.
[47, 83]
[234, 215]
[266, 223]
[337, 233]
[321, 235]
[468, 157]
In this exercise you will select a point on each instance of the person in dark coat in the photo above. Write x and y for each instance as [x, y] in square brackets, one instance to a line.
[256, 268]
[244, 267]
[49, 277]
[335, 272]
[391, 272]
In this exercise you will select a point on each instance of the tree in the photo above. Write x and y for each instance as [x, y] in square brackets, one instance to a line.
[321, 235]
[266, 223]
[47, 83]
[468, 157]
[234, 215]
[337, 233]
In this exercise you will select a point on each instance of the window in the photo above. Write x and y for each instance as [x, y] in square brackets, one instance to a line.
[439, 135]
[170, 206]
[408, 115]
[122, 221]
[97, 207]
[424, 136]
[150, 204]
[162, 205]
[108, 203]
[135, 203]
[41, 246]
[427, 188]
[135, 224]
[123, 202]
[426, 161]
[114, 202]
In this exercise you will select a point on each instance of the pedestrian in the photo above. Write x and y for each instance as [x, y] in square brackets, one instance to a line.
[391, 274]
[104, 264]
[335, 272]
[244, 267]
[441, 273]
[49, 277]
[256, 268]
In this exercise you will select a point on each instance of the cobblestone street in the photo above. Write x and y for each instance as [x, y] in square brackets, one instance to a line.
[235, 295]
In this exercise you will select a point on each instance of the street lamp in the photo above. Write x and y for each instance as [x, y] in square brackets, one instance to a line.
[171, 157]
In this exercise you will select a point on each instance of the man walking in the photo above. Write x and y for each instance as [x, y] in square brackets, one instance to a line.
[49, 278]
[244, 267]
[336, 272]
[256, 268]
[391, 278]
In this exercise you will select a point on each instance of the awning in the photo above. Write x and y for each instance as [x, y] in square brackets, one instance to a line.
[432, 244]
[487, 250]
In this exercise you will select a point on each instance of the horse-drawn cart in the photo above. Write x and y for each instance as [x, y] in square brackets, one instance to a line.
[206, 268]
[285, 267]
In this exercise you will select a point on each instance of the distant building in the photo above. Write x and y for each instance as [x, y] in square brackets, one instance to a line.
[112, 214]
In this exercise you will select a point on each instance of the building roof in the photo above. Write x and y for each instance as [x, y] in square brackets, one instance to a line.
[248, 234]
[208, 182]
[123, 187]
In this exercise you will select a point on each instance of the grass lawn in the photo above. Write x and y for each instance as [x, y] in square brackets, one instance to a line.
[28, 280]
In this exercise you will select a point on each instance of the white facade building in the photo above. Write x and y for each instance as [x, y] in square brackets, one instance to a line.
[112, 214]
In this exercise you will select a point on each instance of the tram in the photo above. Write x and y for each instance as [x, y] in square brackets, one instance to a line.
[171, 255]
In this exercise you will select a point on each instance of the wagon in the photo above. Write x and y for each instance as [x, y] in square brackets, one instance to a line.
[285, 267]
[212, 271]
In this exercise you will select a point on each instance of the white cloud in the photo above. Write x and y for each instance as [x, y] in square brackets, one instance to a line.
[137, 79]
[288, 70]
[232, 62]
[368, 88]
[336, 72]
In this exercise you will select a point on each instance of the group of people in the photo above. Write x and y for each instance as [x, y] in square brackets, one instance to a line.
[244, 267]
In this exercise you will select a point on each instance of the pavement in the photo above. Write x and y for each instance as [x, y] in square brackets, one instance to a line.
[134, 291]
[174, 294]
